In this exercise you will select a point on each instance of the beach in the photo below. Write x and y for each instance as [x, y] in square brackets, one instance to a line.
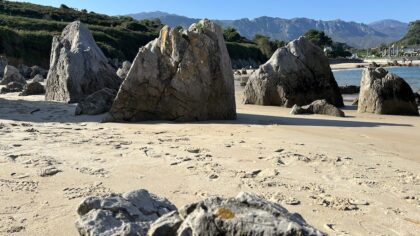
[343, 66]
[357, 175]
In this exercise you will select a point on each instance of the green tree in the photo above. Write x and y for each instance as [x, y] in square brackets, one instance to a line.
[232, 35]
[319, 38]
[264, 44]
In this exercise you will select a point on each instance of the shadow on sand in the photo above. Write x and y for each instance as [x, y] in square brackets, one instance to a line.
[50, 112]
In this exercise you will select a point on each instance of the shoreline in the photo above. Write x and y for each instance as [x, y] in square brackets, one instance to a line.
[361, 65]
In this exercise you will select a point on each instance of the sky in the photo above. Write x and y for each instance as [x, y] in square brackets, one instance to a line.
[365, 11]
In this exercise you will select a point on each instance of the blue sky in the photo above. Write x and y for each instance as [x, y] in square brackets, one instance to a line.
[365, 11]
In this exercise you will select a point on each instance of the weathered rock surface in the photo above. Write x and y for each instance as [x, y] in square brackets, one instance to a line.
[382, 92]
[36, 70]
[123, 71]
[38, 78]
[349, 89]
[246, 214]
[12, 87]
[33, 88]
[11, 74]
[181, 76]
[78, 67]
[97, 103]
[127, 214]
[321, 107]
[3, 64]
[298, 73]
[25, 71]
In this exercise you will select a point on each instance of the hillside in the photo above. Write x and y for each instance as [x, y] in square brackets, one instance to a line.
[354, 34]
[26, 32]
[413, 35]
[393, 28]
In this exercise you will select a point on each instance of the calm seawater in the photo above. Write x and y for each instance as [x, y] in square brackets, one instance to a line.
[353, 76]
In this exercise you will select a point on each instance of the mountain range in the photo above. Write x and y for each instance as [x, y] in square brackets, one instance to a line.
[358, 35]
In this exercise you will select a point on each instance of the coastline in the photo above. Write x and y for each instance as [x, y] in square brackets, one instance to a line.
[382, 62]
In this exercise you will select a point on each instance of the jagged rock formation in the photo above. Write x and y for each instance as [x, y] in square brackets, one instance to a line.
[246, 214]
[123, 71]
[181, 76]
[382, 92]
[298, 73]
[321, 107]
[97, 103]
[11, 74]
[78, 67]
[121, 214]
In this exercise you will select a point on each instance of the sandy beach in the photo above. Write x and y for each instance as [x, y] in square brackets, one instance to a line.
[343, 66]
[357, 175]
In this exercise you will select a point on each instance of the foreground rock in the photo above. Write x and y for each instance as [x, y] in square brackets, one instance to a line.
[123, 71]
[246, 214]
[11, 74]
[78, 67]
[321, 107]
[127, 214]
[349, 89]
[180, 76]
[296, 74]
[382, 92]
[33, 88]
[97, 103]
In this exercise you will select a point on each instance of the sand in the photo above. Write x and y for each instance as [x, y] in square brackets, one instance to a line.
[384, 62]
[358, 175]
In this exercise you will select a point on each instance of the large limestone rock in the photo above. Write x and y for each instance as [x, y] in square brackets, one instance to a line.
[11, 74]
[120, 214]
[246, 214]
[78, 67]
[298, 73]
[181, 76]
[382, 92]
[321, 107]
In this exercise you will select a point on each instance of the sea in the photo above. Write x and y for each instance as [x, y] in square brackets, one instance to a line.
[353, 76]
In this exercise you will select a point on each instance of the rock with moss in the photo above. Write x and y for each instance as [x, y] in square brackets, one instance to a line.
[298, 73]
[121, 214]
[382, 92]
[78, 67]
[246, 214]
[180, 76]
